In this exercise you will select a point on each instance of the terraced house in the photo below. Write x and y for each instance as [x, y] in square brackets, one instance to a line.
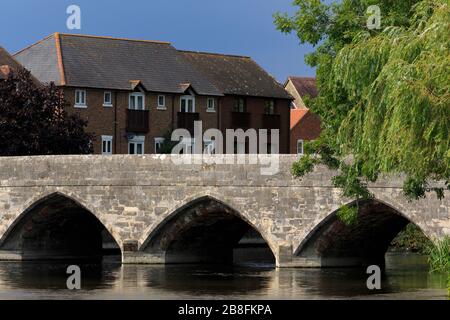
[305, 125]
[134, 92]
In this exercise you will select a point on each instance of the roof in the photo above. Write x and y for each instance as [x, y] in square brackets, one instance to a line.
[297, 115]
[305, 86]
[236, 75]
[112, 63]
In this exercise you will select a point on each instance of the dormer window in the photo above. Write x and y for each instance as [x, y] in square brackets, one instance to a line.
[137, 101]
[187, 104]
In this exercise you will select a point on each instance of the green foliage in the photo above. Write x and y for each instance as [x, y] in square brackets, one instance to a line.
[448, 285]
[384, 95]
[168, 144]
[348, 215]
[412, 239]
[34, 121]
[439, 255]
[302, 166]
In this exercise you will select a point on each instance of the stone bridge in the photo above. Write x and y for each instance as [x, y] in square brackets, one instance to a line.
[149, 210]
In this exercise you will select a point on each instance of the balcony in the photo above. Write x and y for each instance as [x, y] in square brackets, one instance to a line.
[240, 120]
[186, 120]
[137, 121]
[271, 121]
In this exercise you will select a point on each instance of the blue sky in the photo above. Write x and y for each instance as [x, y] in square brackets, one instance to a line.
[242, 27]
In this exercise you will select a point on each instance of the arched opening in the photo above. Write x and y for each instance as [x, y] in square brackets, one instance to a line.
[58, 227]
[363, 243]
[207, 231]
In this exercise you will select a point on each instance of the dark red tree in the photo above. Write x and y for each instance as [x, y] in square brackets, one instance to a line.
[33, 120]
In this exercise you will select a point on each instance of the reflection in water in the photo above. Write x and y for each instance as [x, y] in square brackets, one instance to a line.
[406, 277]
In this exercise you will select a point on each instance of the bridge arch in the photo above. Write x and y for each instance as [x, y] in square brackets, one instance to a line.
[57, 226]
[207, 230]
[333, 243]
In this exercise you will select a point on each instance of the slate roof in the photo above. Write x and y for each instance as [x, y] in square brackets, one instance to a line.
[305, 86]
[104, 62]
[236, 75]
[114, 63]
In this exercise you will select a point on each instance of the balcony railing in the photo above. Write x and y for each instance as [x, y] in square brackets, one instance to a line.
[186, 120]
[138, 121]
[271, 121]
[240, 120]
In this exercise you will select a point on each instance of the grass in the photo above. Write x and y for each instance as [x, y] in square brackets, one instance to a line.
[439, 255]
[439, 258]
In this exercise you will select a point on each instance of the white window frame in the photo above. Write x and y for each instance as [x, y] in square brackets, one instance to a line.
[240, 147]
[81, 104]
[189, 145]
[158, 140]
[163, 105]
[188, 98]
[300, 151]
[213, 109]
[135, 95]
[107, 139]
[209, 147]
[105, 103]
[136, 140]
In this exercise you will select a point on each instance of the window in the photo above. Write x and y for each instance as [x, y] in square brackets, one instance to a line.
[273, 148]
[137, 101]
[240, 147]
[187, 104]
[107, 144]
[159, 142]
[300, 147]
[80, 99]
[162, 102]
[188, 145]
[211, 105]
[269, 107]
[210, 147]
[240, 105]
[107, 99]
[136, 145]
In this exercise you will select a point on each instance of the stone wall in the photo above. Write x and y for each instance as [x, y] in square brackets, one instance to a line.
[133, 196]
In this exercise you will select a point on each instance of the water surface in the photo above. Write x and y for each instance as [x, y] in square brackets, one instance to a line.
[406, 277]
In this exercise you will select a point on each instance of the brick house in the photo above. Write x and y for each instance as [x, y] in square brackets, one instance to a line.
[134, 92]
[252, 98]
[304, 125]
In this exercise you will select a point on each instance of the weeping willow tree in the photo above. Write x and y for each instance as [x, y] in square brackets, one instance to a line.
[384, 94]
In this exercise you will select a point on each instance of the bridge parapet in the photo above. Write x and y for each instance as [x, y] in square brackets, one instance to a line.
[132, 196]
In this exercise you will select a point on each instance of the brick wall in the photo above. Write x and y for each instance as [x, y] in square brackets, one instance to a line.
[307, 129]
[101, 119]
[256, 107]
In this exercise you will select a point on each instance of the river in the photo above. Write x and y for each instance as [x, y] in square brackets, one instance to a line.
[406, 277]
